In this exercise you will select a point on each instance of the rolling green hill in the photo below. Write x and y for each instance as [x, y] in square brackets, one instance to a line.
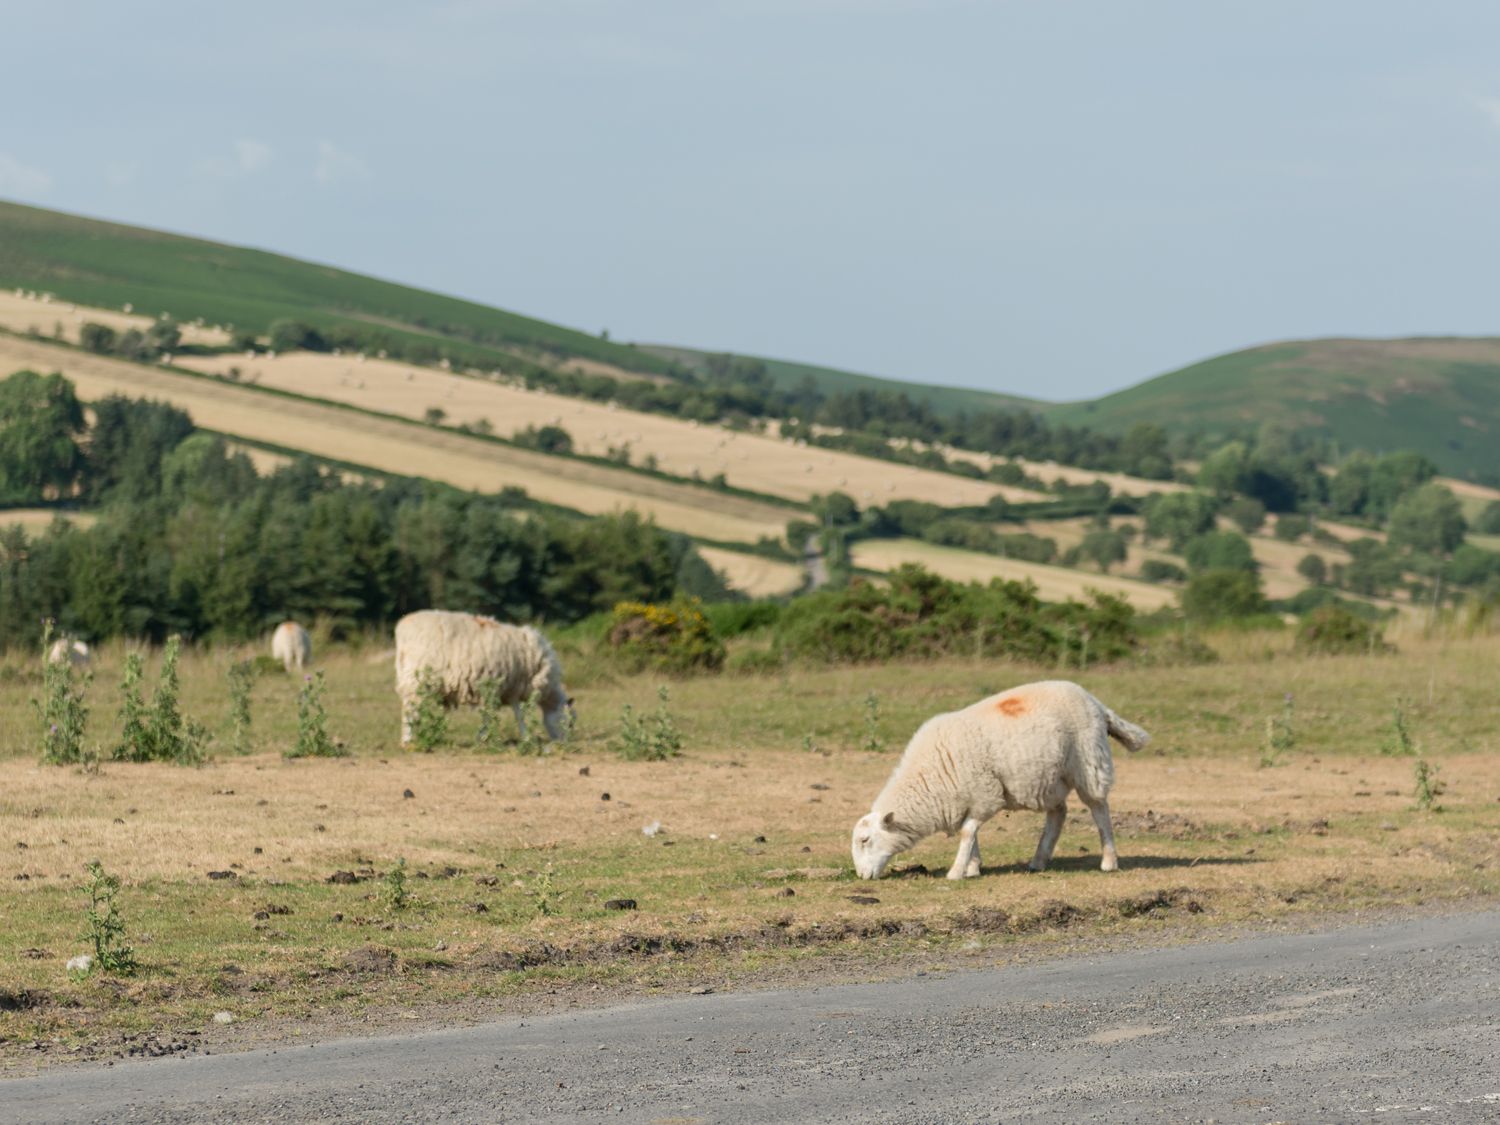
[109, 264]
[1440, 396]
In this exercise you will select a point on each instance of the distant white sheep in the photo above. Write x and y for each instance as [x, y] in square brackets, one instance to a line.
[69, 650]
[1022, 749]
[291, 645]
[465, 651]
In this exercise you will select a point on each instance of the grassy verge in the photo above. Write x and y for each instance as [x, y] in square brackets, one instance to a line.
[511, 863]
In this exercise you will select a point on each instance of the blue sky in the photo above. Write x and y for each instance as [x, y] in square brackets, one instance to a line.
[1050, 198]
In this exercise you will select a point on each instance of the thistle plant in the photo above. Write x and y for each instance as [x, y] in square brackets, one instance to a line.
[240, 679]
[106, 929]
[874, 741]
[61, 710]
[648, 739]
[393, 890]
[429, 724]
[1429, 788]
[312, 723]
[1281, 735]
[1398, 742]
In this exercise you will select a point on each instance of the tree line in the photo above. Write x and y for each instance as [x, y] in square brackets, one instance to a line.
[191, 539]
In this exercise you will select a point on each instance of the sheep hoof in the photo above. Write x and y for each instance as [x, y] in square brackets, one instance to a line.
[955, 873]
[1110, 863]
[1035, 866]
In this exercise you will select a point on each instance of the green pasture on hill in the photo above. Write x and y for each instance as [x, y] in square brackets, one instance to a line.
[109, 264]
[1369, 395]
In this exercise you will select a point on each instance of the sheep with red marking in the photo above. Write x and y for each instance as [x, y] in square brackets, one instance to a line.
[462, 652]
[291, 645]
[1022, 749]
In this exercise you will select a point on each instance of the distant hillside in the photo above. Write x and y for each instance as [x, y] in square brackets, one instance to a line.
[789, 375]
[110, 264]
[1440, 396]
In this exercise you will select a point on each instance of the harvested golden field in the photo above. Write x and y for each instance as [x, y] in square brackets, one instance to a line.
[751, 461]
[42, 317]
[507, 863]
[759, 577]
[1053, 583]
[36, 520]
[393, 446]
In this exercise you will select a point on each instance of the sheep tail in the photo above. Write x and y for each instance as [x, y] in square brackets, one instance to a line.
[1127, 734]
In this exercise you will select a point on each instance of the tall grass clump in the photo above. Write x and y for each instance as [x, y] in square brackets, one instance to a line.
[652, 738]
[313, 740]
[61, 710]
[1398, 742]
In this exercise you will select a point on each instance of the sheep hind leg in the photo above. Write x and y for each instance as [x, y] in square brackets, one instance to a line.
[520, 722]
[1111, 860]
[966, 862]
[1050, 832]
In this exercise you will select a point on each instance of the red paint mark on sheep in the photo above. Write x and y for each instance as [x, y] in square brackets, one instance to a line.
[1011, 706]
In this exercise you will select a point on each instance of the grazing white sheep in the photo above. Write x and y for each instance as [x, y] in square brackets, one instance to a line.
[291, 645]
[69, 650]
[1021, 749]
[465, 651]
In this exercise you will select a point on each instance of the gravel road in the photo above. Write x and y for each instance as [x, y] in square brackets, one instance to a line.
[1395, 1022]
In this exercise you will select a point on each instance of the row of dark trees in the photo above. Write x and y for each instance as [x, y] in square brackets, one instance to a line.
[191, 539]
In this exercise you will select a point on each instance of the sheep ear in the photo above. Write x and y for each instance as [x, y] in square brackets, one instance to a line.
[888, 820]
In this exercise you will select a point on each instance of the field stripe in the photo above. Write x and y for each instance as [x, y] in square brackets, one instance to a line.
[397, 446]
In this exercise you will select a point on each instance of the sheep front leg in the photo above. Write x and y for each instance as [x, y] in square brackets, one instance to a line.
[1111, 861]
[1050, 833]
[520, 722]
[966, 862]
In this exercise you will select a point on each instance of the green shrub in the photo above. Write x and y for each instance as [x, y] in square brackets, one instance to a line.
[1333, 629]
[1217, 595]
[1429, 788]
[1159, 570]
[675, 638]
[919, 615]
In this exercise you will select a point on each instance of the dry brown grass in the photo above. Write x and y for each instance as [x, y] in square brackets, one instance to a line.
[1206, 834]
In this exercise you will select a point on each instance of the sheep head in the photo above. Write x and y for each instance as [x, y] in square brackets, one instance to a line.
[876, 839]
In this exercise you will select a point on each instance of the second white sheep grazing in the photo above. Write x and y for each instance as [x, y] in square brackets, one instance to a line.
[462, 652]
[69, 650]
[1022, 749]
[291, 645]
